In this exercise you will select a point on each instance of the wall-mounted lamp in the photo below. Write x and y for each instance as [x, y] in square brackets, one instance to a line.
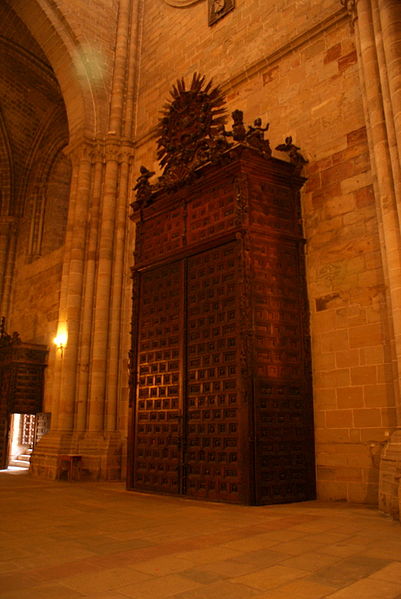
[61, 340]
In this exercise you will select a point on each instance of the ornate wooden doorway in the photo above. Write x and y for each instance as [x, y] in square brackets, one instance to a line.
[221, 390]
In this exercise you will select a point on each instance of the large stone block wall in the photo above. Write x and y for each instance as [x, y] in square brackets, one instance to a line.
[304, 80]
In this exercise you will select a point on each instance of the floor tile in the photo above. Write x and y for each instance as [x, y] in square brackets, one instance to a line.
[269, 578]
[211, 554]
[263, 557]
[299, 589]
[220, 590]
[104, 580]
[202, 576]
[310, 561]
[164, 565]
[158, 588]
[390, 572]
[346, 572]
[298, 546]
[99, 541]
[369, 589]
[229, 568]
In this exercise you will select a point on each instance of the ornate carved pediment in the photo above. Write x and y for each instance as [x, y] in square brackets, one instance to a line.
[192, 133]
[191, 130]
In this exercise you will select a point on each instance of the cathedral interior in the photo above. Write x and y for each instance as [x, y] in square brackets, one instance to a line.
[200, 267]
[200, 294]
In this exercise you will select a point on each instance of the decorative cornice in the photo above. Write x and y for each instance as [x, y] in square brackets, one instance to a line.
[101, 150]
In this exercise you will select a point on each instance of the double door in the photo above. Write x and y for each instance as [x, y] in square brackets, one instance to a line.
[222, 405]
[191, 410]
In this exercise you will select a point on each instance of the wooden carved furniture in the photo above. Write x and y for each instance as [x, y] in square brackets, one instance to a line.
[220, 363]
[21, 382]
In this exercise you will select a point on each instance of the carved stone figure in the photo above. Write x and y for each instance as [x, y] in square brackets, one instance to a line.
[143, 187]
[239, 132]
[255, 137]
[219, 142]
[293, 153]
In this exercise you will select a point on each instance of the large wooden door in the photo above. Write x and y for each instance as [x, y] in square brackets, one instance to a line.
[191, 408]
[158, 417]
[284, 449]
[220, 374]
[217, 418]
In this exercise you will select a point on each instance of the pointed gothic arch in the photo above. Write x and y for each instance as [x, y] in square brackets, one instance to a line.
[63, 50]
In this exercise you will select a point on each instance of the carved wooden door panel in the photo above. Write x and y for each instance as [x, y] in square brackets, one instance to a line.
[217, 423]
[283, 398]
[158, 414]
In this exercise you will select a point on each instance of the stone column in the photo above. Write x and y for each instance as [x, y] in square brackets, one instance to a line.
[378, 41]
[385, 172]
[70, 312]
[117, 331]
[86, 401]
[390, 20]
[85, 346]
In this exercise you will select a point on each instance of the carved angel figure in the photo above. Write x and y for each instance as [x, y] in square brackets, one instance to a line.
[293, 152]
[255, 137]
[239, 132]
[142, 187]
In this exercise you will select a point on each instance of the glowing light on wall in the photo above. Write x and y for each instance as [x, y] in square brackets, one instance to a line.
[61, 340]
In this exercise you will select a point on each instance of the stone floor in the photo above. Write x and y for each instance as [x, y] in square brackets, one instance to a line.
[61, 540]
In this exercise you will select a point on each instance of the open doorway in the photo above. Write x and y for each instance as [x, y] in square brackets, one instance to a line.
[22, 435]
[25, 430]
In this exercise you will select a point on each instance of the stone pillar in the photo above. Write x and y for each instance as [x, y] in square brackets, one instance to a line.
[70, 312]
[378, 40]
[390, 20]
[88, 388]
[60, 440]
[84, 358]
[117, 332]
[87, 368]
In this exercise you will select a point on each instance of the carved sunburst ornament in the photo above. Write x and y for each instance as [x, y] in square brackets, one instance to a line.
[189, 127]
